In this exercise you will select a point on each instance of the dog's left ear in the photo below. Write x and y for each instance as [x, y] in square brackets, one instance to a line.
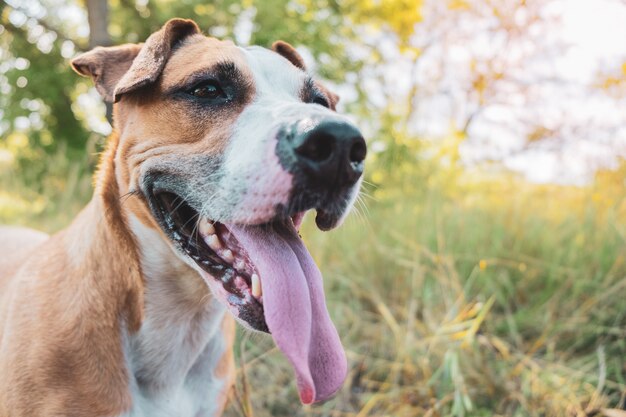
[290, 53]
[121, 69]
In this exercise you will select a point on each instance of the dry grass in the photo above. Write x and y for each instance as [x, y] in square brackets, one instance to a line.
[449, 308]
[475, 298]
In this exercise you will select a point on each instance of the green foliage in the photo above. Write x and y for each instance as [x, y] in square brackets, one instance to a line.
[42, 89]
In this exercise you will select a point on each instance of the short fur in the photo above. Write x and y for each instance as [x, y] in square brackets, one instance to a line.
[104, 318]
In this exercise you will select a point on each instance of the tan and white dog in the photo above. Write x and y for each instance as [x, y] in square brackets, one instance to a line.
[217, 153]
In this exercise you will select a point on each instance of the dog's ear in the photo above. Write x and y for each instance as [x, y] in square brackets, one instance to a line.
[289, 52]
[106, 66]
[118, 70]
[154, 54]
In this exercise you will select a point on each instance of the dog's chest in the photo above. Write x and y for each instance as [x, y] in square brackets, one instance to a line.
[177, 360]
[185, 401]
[176, 369]
[199, 395]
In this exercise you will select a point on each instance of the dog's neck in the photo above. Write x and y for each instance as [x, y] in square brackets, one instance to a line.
[180, 316]
[177, 340]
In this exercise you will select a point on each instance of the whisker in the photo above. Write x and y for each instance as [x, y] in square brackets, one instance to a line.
[197, 215]
[126, 196]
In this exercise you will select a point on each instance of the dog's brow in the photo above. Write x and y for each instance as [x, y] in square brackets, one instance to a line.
[228, 69]
[224, 70]
[309, 83]
[310, 90]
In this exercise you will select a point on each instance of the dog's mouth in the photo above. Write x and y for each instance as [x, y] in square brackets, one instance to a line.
[267, 279]
[216, 251]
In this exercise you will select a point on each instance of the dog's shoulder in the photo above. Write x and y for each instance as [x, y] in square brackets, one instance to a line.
[61, 326]
[16, 244]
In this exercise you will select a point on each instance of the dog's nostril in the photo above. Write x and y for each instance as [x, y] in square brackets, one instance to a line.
[358, 151]
[317, 148]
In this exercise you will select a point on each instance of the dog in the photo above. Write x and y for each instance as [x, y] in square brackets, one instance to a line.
[217, 153]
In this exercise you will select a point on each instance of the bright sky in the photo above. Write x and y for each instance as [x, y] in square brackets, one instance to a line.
[596, 31]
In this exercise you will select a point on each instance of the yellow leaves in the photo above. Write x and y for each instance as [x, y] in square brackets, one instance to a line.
[4, 18]
[46, 138]
[378, 176]
[399, 15]
[596, 197]
[477, 322]
[538, 133]
[465, 325]
[458, 5]
[480, 84]
[16, 141]
[410, 51]
[115, 29]
[613, 81]
[204, 9]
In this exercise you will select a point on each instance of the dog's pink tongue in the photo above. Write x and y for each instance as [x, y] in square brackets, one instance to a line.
[295, 308]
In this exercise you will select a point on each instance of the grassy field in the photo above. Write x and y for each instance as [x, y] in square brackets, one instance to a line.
[456, 294]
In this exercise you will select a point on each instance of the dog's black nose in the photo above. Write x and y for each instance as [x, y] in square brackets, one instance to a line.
[330, 153]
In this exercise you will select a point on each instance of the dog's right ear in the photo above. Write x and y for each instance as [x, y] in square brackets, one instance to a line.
[106, 66]
[118, 70]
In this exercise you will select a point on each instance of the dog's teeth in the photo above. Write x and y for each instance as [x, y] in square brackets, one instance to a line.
[206, 227]
[228, 256]
[214, 242]
[257, 291]
[240, 265]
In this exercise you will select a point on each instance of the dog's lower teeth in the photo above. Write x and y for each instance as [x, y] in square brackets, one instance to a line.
[240, 265]
[228, 256]
[257, 291]
[214, 242]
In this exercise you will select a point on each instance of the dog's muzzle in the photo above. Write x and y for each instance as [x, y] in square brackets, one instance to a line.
[326, 159]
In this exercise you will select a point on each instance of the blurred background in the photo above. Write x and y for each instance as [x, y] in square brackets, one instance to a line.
[483, 269]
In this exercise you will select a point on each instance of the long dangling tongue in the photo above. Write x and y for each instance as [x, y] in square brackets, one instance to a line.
[295, 308]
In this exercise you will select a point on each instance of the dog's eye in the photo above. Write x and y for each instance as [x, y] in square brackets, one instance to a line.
[208, 90]
[321, 101]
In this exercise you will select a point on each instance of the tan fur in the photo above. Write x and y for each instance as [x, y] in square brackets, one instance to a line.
[59, 346]
[68, 303]
[64, 305]
[225, 369]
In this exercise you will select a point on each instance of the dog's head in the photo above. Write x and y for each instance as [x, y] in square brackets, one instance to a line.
[227, 148]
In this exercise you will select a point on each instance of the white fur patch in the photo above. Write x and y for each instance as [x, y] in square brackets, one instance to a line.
[251, 169]
[173, 358]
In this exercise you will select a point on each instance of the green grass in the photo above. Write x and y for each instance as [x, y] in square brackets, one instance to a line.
[496, 298]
